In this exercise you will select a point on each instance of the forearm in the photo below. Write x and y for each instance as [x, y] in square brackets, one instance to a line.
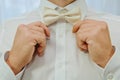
[13, 64]
[103, 62]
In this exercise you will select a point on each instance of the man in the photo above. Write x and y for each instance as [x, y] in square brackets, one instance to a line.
[60, 41]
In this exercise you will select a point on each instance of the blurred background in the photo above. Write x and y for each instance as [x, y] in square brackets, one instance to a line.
[12, 8]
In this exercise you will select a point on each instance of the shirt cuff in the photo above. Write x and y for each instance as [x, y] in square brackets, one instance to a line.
[5, 71]
[112, 69]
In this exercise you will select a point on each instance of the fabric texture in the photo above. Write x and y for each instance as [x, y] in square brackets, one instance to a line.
[63, 60]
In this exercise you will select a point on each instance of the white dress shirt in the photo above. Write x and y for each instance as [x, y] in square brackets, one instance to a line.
[63, 60]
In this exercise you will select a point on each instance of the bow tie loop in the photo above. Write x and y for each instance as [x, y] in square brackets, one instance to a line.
[50, 15]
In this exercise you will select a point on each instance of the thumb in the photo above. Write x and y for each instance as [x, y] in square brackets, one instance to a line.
[76, 27]
[41, 48]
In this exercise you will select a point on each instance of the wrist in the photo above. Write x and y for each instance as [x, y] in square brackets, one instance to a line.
[103, 62]
[13, 64]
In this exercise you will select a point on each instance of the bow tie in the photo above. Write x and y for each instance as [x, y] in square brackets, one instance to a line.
[50, 15]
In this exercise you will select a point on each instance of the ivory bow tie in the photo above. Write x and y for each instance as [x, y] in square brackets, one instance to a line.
[50, 15]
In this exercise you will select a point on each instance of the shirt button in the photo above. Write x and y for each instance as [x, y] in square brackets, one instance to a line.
[110, 77]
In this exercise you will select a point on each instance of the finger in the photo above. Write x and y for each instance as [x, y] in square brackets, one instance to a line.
[41, 43]
[41, 48]
[81, 40]
[40, 24]
[36, 28]
[76, 26]
[85, 28]
[83, 45]
[84, 50]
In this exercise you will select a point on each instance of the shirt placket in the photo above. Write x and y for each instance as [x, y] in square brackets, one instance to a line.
[60, 52]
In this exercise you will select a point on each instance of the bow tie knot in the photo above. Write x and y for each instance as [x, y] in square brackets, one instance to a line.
[51, 15]
[62, 16]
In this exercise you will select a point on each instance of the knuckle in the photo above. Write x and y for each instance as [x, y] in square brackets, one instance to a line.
[103, 22]
[84, 25]
[104, 25]
[40, 23]
[21, 26]
[22, 29]
[42, 39]
[28, 34]
[36, 22]
[41, 29]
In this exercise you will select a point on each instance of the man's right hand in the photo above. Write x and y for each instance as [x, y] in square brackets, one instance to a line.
[24, 46]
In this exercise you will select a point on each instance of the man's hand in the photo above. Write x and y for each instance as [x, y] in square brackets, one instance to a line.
[93, 36]
[29, 39]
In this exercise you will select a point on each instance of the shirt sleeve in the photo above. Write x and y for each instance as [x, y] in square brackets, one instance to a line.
[112, 69]
[5, 71]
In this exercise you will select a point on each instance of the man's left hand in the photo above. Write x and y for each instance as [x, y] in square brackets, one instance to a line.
[93, 36]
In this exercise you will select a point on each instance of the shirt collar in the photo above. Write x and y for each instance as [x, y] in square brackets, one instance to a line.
[77, 3]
